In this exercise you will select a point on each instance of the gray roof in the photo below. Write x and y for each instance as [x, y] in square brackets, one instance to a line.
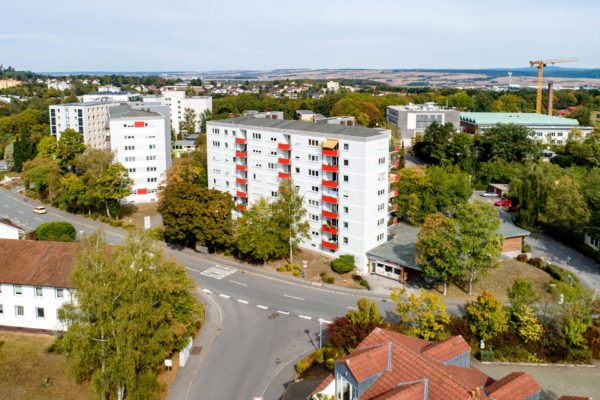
[125, 111]
[401, 247]
[292, 125]
[508, 230]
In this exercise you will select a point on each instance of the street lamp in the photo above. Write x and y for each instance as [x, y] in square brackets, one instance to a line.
[169, 364]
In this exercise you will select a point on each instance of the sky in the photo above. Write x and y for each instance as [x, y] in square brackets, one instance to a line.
[205, 35]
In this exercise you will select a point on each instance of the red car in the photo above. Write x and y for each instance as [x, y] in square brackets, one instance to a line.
[503, 203]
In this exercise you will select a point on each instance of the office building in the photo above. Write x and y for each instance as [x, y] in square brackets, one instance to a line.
[413, 119]
[341, 171]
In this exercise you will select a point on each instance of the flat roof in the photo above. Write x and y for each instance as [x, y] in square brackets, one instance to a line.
[492, 118]
[293, 125]
[508, 230]
[125, 111]
[86, 104]
[110, 93]
[401, 247]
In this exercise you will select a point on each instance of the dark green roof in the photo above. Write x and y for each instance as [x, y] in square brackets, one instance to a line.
[400, 248]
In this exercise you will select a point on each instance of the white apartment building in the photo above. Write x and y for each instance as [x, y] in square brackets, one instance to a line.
[58, 85]
[413, 119]
[34, 283]
[8, 230]
[89, 119]
[178, 102]
[341, 171]
[109, 97]
[141, 141]
[333, 86]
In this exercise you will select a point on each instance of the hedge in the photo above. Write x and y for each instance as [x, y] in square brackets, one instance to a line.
[56, 231]
[343, 264]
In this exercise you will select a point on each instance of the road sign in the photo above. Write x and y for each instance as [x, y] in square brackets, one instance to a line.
[147, 223]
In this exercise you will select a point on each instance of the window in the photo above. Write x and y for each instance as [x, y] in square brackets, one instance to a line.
[380, 192]
[315, 233]
[313, 142]
[216, 143]
[18, 290]
[256, 151]
[273, 194]
[256, 136]
[215, 130]
[381, 207]
[150, 169]
[380, 222]
[130, 169]
[346, 179]
[381, 161]
[150, 158]
[59, 293]
[273, 153]
[150, 180]
[39, 312]
[39, 292]
[346, 162]
[152, 146]
[297, 170]
[345, 209]
[424, 120]
[313, 203]
[19, 311]
[346, 146]
[129, 147]
[312, 157]
[313, 172]
[315, 189]
[314, 217]
[345, 225]
[1, 309]
[381, 177]
[380, 237]
[345, 240]
[272, 165]
[127, 159]
[273, 139]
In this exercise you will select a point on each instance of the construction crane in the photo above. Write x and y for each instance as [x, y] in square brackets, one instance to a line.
[540, 65]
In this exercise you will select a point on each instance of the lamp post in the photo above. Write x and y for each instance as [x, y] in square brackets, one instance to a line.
[169, 364]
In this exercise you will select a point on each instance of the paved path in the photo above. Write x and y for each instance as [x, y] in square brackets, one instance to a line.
[555, 381]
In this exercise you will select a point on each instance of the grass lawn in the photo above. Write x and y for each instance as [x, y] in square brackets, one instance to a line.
[28, 372]
[498, 280]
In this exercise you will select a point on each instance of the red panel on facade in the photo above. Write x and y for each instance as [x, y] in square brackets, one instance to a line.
[332, 153]
[329, 214]
[328, 245]
[330, 168]
[283, 175]
[329, 184]
[138, 124]
[141, 191]
[330, 229]
[329, 199]
[283, 146]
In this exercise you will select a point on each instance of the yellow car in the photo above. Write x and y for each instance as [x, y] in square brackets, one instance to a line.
[40, 210]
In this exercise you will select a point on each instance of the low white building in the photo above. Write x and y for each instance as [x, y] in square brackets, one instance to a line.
[8, 230]
[333, 86]
[141, 140]
[58, 85]
[109, 97]
[109, 88]
[177, 102]
[34, 283]
[413, 119]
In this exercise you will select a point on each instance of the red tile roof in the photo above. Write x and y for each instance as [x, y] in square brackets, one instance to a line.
[366, 362]
[410, 391]
[574, 398]
[516, 385]
[322, 385]
[36, 263]
[447, 349]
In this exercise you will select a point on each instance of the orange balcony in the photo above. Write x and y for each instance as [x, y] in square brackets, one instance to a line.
[283, 175]
[241, 181]
[330, 229]
[241, 207]
[329, 245]
[330, 168]
[329, 214]
[284, 161]
[332, 153]
[329, 199]
[393, 193]
[240, 167]
[284, 146]
[329, 184]
[243, 195]
[240, 140]
[241, 154]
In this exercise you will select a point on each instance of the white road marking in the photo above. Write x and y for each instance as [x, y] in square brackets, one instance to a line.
[218, 272]
[324, 321]
[242, 301]
[37, 218]
[207, 291]
[263, 307]
[283, 312]
[305, 317]
[238, 283]
[20, 212]
[352, 308]
[293, 297]
[225, 296]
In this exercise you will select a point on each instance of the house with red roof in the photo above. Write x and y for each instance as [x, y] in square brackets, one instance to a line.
[392, 366]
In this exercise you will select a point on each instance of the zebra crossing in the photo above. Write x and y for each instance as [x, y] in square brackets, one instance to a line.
[218, 272]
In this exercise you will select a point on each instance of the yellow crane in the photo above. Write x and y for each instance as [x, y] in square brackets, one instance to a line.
[540, 65]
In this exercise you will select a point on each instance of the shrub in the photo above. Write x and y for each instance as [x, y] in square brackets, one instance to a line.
[319, 356]
[579, 356]
[327, 278]
[356, 277]
[330, 364]
[536, 262]
[487, 355]
[365, 283]
[57, 231]
[522, 257]
[343, 264]
[294, 267]
[281, 269]
[303, 365]
[297, 274]
[526, 248]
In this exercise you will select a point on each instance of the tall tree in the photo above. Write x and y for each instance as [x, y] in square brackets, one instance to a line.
[566, 210]
[433, 146]
[130, 311]
[508, 142]
[423, 316]
[42, 175]
[289, 213]
[47, 147]
[188, 125]
[70, 145]
[486, 316]
[23, 151]
[113, 185]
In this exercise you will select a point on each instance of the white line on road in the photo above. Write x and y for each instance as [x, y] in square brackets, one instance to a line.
[38, 219]
[238, 283]
[324, 321]
[20, 212]
[225, 296]
[293, 297]
[242, 301]
[207, 291]
[352, 308]
[263, 307]
[305, 317]
[283, 312]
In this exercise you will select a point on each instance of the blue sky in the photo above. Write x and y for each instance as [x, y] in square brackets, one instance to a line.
[151, 35]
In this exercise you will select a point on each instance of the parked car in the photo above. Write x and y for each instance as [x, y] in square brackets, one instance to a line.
[40, 210]
[488, 194]
[503, 203]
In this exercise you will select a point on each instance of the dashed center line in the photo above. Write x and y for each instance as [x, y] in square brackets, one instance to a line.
[207, 291]
[283, 312]
[225, 296]
[352, 308]
[305, 317]
[262, 307]
[293, 297]
[20, 212]
[324, 321]
[238, 283]
[37, 218]
[242, 301]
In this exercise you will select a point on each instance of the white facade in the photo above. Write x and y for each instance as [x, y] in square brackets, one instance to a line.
[333, 86]
[178, 102]
[413, 119]
[141, 141]
[109, 88]
[8, 231]
[32, 307]
[341, 171]
[58, 85]
[89, 119]
[109, 97]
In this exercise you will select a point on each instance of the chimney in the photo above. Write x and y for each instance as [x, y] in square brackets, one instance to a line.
[550, 97]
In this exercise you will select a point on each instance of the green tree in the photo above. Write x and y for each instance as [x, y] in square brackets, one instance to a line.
[438, 248]
[366, 314]
[42, 175]
[188, 125]
[195, 214]
[462, 101]
[521, 294]
[112, 186]
[122, 321]
[47, 147]
[566, 210]
[508, 142]
[433, 146]
[486, 316]
[289, 213]
[70, 145]
[510, 103]
[527, 324]
[423, 316]
[343, 264]
[56, 231]
[23, 151]
[480, 242]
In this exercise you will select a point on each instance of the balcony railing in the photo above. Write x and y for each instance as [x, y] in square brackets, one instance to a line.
[393, 193]
[329, 152]
[240, 168]
[329, 214]
[329, 184]
[241, 181]
[241, 207]
[393, 208]
[241, 194]
[330, 199]
[329, 245]
[240, 140]
[393, 178]
[283, 175]
[284, 146]
[330, 168]
[330, 229]
[284, 161]
[241, 154]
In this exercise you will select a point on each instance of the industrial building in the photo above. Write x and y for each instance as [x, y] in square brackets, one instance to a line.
[413, 119]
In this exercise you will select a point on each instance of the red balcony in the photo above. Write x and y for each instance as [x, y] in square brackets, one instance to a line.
[393, 178]
[329, 245]
[241, 207]
[332, 153]
[283, 175]
[329, 184]
[240, 140]
[330, 229]
[394, 208]
[330, 168]
[329, 199]
[243, 195]
[241, 181]
[393, 193]
[396, 163]
[284, 161]
[283, 146]
[241, 154]
[329, 214]
[394, 149]
[240, 167]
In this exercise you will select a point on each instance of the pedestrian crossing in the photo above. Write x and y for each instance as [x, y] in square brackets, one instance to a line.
[218, 272]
